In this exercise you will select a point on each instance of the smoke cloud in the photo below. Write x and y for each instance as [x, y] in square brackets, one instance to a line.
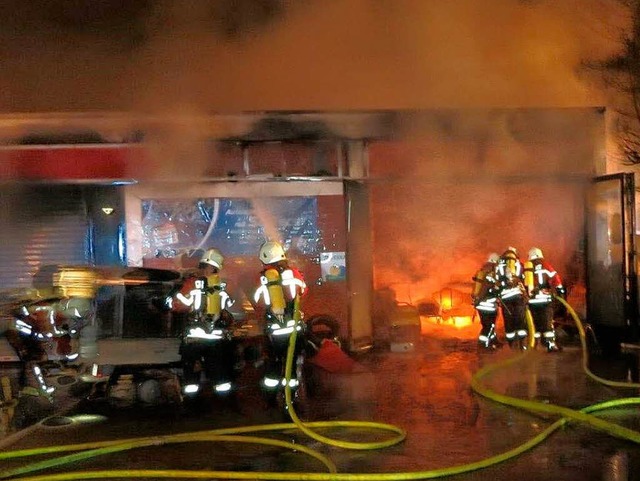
[227, 56]
[464, 184]
[189, 58]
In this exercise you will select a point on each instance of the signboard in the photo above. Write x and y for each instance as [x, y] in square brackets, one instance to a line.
[333, 266]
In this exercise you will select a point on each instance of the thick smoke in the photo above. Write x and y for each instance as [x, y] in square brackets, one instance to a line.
[182, 60]
[258, 55]
[176, 58]
[466, 183]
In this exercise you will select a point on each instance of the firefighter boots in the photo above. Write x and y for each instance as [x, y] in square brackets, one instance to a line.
[488, 338]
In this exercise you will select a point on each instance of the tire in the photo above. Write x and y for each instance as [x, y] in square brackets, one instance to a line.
[319, 328]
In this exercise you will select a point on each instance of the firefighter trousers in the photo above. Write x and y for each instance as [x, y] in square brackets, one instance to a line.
[277, 348]
[487, 321]
[514, 314]
[542, 315]
[216, 358]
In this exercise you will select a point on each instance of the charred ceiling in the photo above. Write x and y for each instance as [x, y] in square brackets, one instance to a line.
[278, 129]
[524, 126]
[82, 137]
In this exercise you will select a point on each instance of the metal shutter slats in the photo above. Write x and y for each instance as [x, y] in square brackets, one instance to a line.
[48, 225]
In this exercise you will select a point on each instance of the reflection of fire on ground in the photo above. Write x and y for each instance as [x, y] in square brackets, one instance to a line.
[431, 328]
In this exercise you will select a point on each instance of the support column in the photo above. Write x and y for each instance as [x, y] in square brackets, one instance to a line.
[359, 250]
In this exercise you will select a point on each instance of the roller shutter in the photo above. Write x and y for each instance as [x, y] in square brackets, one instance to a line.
[41, 225]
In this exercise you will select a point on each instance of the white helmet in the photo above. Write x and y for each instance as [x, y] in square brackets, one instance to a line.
[271, 252]
[535, 253]
[213, 257]
[494, 257]
[512, 249]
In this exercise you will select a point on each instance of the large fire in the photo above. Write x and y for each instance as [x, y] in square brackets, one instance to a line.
[455, 307]
[448, 306]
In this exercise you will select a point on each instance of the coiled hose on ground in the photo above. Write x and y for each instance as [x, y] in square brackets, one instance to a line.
[246, 434]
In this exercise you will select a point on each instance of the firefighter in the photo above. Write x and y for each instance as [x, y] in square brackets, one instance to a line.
[42, 323]
[512, 295]
[207, 346]
[35, 326]
[485, 300]
[281, 287]
[542, 282]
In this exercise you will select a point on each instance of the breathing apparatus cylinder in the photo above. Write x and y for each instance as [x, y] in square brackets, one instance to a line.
[511, 265]
[214, 298]
[276, 292]
[528, 275]
[479, 285]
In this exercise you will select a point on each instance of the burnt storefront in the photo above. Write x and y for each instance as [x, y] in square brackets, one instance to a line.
[399, 202]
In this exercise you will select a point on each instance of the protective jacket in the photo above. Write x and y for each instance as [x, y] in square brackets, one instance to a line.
[510, 276]
[280, 287]
[204, 299]
[485, 289]
[48, 321]
[542, 281]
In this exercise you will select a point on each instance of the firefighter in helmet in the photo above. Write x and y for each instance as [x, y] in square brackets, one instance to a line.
[542, 282]
[36, 325]
[56, 320]
[513, 297]
[485, 300]
[281, 287]
[207, 345]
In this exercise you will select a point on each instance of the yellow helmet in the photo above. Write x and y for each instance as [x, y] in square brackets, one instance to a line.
[213, 257]
[271, 252]
[535, 253]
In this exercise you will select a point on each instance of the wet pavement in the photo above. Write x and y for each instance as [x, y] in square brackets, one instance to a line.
[425, 391]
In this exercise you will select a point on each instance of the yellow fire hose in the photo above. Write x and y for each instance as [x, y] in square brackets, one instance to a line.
[88, 450]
